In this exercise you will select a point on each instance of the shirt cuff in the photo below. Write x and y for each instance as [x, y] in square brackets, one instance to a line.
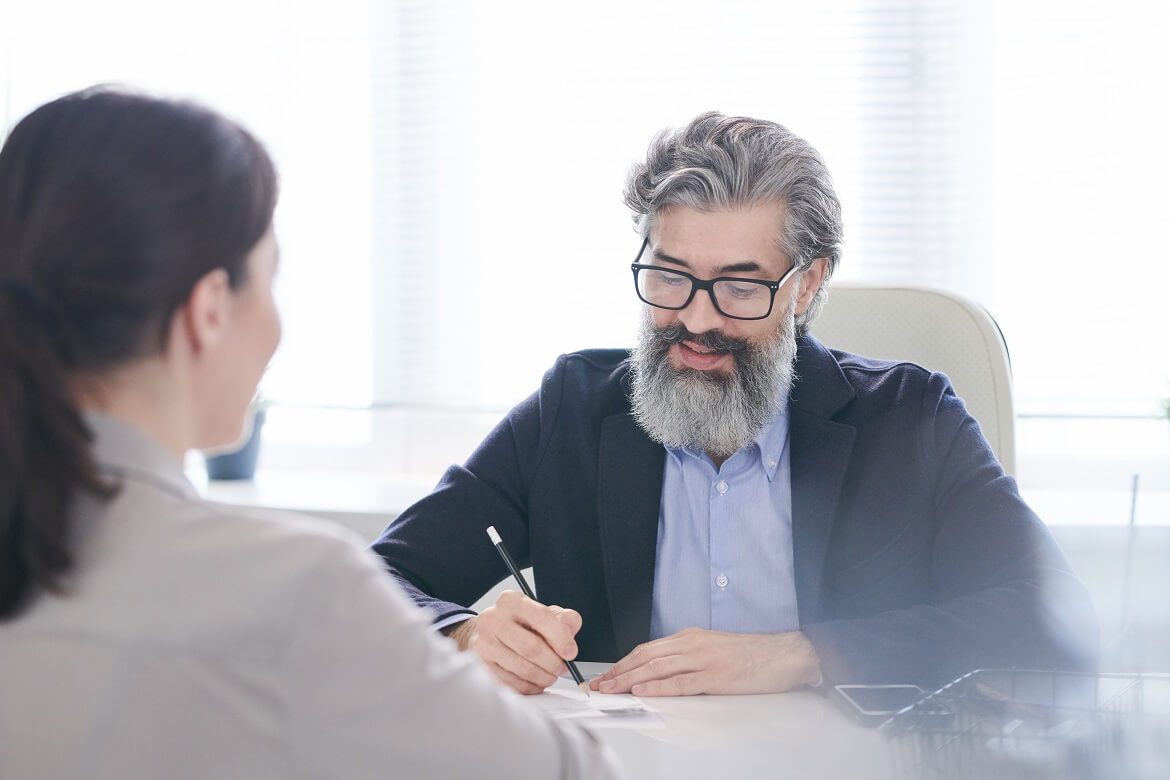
[451, 620]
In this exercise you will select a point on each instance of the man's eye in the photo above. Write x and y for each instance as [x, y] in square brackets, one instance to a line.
[744, 290]
[668, 280]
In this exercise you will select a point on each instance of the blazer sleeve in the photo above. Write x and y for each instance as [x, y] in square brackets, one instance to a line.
[438, 549]
[1004, 594]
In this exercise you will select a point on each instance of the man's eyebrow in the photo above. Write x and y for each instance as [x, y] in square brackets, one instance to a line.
[665, 258]
[745, 266]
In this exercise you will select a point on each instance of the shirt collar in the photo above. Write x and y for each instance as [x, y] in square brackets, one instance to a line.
[128, 452]
[771, 442]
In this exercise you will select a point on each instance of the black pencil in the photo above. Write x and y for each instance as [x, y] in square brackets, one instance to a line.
[499, 543]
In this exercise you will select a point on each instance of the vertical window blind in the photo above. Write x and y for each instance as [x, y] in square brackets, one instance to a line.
[516, 123]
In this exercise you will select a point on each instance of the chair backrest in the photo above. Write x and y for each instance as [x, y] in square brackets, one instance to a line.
[937, 330]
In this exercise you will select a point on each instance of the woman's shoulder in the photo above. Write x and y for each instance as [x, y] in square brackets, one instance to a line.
[183, 547]
[262, 543]
[267, 525]
[216, 578]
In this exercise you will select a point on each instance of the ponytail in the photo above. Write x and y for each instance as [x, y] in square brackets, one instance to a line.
[44, 452]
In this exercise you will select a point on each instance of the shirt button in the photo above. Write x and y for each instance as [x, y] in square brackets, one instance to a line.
[721, 580]
[720, 487]
[771, 463]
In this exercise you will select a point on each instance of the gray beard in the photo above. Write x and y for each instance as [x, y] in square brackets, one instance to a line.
[716, 413]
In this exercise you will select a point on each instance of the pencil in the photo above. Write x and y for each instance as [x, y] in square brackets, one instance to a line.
[503, 551]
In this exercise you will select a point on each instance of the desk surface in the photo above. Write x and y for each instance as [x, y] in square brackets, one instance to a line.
[800, 735]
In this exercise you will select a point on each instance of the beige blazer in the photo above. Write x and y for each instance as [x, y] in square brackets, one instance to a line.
[207, 641]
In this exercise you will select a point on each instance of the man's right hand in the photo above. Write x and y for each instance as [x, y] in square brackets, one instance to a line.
[523, 642]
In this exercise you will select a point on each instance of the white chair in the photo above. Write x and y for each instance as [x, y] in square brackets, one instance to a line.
[937, 330]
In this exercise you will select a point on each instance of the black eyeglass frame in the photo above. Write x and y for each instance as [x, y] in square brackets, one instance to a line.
[708, 285]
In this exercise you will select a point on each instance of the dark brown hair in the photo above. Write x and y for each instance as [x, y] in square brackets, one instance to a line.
[112, 206]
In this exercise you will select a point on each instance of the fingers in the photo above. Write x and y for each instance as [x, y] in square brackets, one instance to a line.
[643, 653]
[524, 642]
[515, 682]
[524, 654]
[659, 660]
[569, 617]
[555, 625]
[703, 661]
[671, 675]
[686, 684]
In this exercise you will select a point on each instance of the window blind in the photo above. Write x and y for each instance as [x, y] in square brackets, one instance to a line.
[451, 213]
[500, 237]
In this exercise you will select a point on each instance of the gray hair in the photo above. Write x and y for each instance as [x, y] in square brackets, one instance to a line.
[718, 162]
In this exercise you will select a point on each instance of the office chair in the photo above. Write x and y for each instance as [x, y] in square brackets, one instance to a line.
[938, 330]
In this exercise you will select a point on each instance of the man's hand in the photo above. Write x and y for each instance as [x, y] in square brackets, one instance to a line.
[523, 642]
[699, 661]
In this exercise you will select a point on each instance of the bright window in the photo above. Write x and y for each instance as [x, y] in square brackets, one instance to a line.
[451, 170]
[300, 79]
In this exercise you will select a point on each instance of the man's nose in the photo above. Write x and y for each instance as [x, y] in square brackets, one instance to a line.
[700, 315]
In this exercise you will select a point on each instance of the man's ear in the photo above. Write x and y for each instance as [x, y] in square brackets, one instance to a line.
[203, 318]
[810, 282]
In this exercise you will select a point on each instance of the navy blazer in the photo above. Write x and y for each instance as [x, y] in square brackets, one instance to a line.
[915, 558]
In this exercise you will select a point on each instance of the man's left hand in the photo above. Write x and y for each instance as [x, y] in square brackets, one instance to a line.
[696, 660]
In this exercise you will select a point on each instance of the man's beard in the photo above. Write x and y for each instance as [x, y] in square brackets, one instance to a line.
[715, 412]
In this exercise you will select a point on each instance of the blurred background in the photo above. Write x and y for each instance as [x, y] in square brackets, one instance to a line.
[451, 215]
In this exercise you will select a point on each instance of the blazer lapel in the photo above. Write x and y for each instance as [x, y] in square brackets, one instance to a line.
[629, 491]
[820, 450]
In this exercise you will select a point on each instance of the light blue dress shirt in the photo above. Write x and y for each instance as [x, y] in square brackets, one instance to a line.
[724, 558]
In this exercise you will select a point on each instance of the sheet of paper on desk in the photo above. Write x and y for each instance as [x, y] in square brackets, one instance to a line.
[565, 701]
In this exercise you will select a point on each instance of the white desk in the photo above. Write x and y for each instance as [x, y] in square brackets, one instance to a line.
[789, 735]
[362, 501]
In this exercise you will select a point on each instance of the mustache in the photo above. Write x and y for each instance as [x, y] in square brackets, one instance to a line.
[713, 339]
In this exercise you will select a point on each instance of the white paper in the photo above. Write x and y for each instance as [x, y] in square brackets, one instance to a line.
[565, 701]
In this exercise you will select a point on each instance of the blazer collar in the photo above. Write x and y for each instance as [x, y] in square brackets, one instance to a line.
[629, 492]
[820, 451]
[821, 388]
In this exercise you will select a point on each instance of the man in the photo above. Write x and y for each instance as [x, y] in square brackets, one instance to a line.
[732, 507]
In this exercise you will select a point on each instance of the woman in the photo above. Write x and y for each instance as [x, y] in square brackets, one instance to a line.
[143, 632]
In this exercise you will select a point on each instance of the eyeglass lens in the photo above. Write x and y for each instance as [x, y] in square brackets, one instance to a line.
[740, 298]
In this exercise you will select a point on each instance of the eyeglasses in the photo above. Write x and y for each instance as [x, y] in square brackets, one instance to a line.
[732, 296]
